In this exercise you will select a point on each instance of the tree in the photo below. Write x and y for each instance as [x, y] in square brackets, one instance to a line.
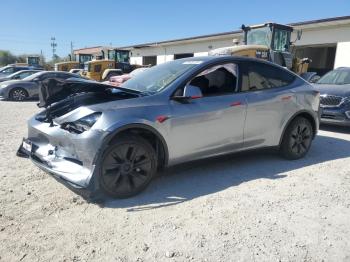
[6, 57]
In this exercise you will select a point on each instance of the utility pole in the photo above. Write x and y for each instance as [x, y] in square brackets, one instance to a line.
[71, 51]
[53, 45]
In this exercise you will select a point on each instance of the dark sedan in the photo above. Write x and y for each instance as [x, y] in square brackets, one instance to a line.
[18, 90]
[334, 88]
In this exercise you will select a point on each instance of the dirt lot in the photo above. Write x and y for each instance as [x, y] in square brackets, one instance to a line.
[250, 207]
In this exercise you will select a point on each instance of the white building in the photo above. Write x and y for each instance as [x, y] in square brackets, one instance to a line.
[325, 41]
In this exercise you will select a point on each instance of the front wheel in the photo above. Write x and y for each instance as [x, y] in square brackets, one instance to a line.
[297, 139]
[127, 167]
[18, 94]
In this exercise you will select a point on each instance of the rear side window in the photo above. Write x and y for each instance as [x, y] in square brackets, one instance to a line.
[260, 76]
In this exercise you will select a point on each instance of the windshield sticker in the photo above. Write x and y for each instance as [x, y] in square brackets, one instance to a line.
[192, 62]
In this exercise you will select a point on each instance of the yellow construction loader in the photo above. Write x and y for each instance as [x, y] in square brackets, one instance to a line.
[272, 42]
[117, 63]
[66, 66]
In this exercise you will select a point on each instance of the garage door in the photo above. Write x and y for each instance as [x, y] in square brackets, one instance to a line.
[322, 57]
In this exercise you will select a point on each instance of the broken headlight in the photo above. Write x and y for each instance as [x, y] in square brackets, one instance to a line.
[83, 124]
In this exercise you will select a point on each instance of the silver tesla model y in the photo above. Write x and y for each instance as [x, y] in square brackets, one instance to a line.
[113, 140]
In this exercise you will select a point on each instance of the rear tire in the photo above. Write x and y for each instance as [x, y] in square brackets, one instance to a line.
[18, 94]
[297, 139]
[127, 167]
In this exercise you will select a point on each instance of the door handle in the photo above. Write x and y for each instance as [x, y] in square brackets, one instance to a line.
[236, 103]
[286, 98]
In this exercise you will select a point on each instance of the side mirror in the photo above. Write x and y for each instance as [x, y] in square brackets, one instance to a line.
[190, 92]
[36, 79]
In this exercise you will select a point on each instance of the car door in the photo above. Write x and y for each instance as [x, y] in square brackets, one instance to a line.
[212, 124]
[270, 100]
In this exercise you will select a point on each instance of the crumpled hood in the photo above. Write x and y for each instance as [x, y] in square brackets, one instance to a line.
[62, 98]
[54, 90]
[335, 90]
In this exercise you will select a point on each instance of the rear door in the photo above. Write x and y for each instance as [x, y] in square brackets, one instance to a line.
[212, 124]
[271, 101]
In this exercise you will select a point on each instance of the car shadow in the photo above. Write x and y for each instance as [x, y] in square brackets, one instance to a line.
[196, 179]
[336, 129]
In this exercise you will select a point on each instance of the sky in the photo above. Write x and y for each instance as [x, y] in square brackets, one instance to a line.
[27, 26]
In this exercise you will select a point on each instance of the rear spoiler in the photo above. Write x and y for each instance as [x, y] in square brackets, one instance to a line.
[53, 90]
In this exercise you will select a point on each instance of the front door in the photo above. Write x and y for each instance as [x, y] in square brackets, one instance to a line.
[212, 124]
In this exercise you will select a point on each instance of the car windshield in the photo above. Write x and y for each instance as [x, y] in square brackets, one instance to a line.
[336, 77]
[159, 77]
[31, 77]
[137, 71]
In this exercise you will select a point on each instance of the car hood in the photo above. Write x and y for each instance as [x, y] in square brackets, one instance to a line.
[2, 79]
[62, 97]
[336, 90]
[10, 82]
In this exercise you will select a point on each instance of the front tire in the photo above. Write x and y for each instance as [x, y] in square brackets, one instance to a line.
[128, 166]
[18, 94]
[297, 139]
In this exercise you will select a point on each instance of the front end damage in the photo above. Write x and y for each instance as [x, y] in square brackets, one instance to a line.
[63, 140]
[67, 156]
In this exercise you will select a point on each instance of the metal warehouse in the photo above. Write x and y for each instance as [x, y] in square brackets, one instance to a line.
[325, 41]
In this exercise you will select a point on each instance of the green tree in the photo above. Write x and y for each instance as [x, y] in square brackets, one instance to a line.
[6, 57]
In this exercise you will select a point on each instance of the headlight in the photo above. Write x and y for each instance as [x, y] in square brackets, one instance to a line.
[83, 124]
[3, 85]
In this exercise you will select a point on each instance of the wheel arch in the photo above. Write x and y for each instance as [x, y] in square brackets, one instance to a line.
[147, 132]
[304, 114]
[11, 89]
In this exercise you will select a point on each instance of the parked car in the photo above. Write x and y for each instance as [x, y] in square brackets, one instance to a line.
[119, 80]
[28, 87]
[114, 140]
[334, 88]
[10, 69]
[19, 75]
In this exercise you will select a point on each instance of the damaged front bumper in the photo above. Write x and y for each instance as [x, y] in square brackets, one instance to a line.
[67, 156]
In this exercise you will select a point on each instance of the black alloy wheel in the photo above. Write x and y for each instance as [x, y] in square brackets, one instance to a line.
[127, 167]
[297, 139]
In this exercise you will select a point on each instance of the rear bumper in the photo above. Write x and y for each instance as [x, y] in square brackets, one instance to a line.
[68, 157]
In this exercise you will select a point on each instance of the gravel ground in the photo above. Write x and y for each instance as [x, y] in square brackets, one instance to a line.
[247, 207]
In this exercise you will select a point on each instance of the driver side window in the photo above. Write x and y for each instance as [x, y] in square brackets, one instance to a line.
[217, 80]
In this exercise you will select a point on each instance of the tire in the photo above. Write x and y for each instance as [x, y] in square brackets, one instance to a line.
[18, 94]
[127, 167]
[297, 139]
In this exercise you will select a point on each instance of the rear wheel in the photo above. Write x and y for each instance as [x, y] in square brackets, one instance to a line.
[297, 139]
[18, 94]
[128, 165]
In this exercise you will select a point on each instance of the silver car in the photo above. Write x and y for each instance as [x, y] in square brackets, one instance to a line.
[113, 140]
[28, 87]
